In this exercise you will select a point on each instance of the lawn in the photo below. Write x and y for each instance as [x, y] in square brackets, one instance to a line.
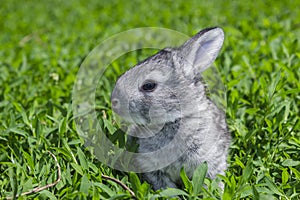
[43, 44]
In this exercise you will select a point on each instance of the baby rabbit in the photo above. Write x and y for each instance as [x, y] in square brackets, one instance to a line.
[164, 99]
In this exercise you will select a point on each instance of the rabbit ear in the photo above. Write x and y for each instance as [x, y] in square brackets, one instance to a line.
[201, 50]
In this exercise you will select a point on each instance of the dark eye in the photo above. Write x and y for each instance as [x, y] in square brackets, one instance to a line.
[149, 86]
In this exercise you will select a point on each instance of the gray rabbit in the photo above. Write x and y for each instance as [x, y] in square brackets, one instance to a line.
[165, 101]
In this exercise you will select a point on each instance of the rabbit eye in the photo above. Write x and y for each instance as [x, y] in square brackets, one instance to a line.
[149, 86]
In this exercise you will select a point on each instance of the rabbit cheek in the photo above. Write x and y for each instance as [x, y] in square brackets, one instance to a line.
[139, 111]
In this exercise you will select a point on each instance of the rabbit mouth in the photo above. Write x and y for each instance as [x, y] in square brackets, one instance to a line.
[146, 118]
[127, 118]
[137, 126]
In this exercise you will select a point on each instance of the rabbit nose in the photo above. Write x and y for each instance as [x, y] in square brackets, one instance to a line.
[115, 103]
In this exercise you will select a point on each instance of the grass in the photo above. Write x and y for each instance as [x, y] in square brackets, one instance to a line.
[43, 43]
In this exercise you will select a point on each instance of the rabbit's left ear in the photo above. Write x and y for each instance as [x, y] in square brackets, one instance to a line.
[201, 50]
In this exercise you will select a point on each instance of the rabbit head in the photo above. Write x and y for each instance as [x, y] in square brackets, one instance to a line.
[167, 86]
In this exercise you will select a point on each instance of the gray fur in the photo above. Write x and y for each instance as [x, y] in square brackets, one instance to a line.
[178, 106]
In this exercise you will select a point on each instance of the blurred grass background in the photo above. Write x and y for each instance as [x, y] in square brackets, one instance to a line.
[43, 43]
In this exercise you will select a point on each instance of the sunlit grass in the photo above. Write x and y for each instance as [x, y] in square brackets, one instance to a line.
[43, 43]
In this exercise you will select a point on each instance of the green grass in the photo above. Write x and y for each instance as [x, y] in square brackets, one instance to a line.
[43, 43]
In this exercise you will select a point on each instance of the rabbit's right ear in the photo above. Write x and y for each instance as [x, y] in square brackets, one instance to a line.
[200, 51]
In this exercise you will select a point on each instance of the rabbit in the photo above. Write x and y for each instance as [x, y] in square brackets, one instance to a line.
[164, 99]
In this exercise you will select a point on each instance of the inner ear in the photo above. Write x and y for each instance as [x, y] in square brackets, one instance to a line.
[206, 54]
[201, 50]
